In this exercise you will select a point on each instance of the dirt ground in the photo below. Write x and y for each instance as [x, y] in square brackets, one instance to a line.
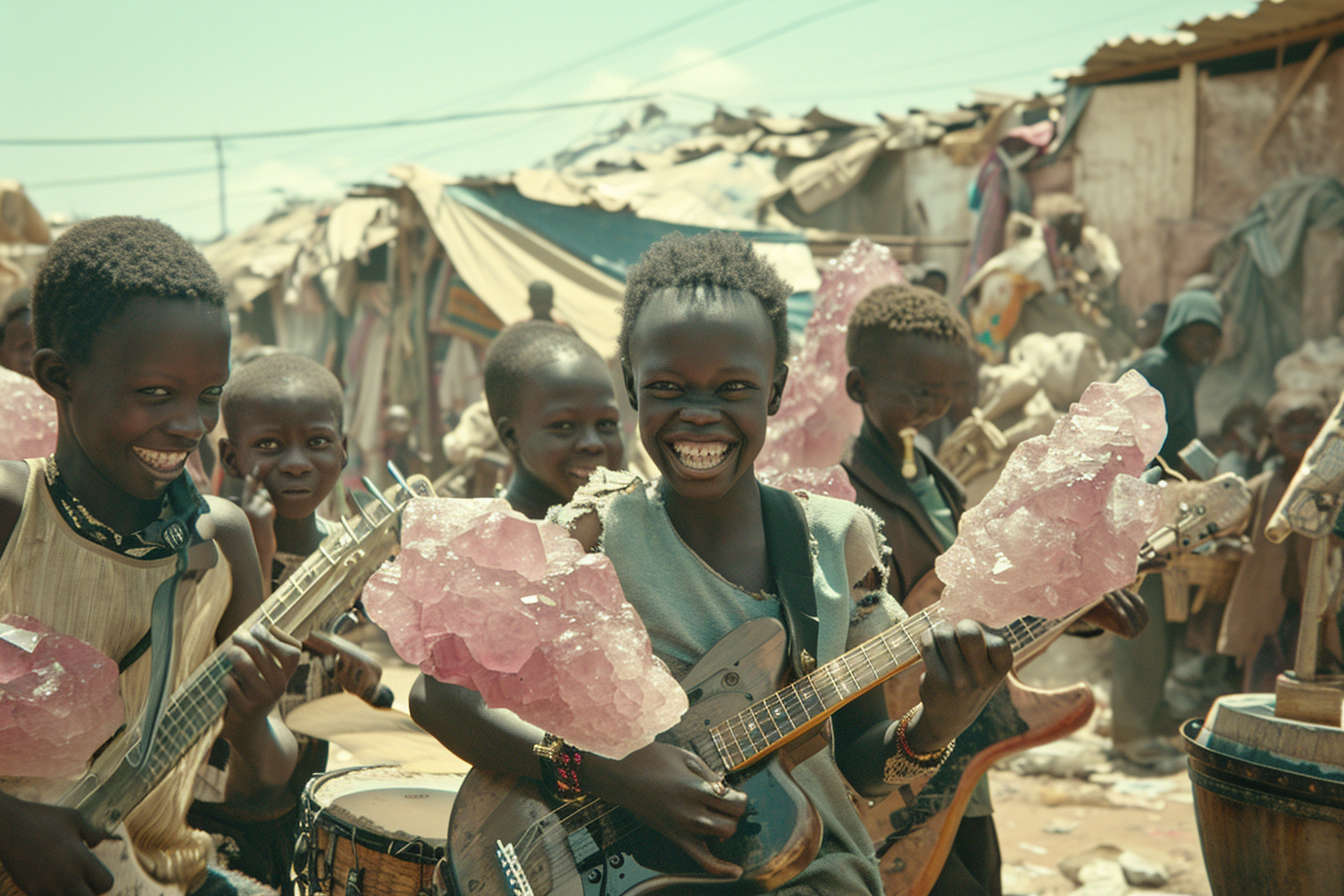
[1043, 818]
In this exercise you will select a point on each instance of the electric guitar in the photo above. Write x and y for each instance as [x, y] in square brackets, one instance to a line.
[323, 588]
[914, 826]
[507, 838]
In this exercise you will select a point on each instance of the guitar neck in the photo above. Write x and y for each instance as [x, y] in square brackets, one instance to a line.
[796, 709]
[327, 583]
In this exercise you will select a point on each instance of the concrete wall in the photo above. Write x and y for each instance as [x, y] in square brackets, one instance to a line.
[1133, 166]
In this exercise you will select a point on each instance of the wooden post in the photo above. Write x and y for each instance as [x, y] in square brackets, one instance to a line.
[1294, 90]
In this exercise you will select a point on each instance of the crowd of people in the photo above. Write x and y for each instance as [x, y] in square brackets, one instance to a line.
[125, 328]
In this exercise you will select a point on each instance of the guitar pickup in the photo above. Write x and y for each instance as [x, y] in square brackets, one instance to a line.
[513, 869]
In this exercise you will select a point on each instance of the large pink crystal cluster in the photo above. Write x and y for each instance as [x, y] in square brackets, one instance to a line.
[1064, 523]
[831, 481]
[58, 700]
[816, 418]
[27, 418]
[483, 597]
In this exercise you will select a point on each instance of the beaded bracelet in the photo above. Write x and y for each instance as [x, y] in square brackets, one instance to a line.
[560, 765]
[906, 763]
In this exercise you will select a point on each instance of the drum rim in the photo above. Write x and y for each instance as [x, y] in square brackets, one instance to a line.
[314, 816]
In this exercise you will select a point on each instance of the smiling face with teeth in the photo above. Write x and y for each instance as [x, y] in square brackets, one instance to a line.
[132, 412]
[562, 426]
[703, 373]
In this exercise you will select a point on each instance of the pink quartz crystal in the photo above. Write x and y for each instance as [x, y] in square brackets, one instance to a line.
[816, 417]
[28, 415]
[1064, 523]
[514, 609]
[831, 481]
[59, 700]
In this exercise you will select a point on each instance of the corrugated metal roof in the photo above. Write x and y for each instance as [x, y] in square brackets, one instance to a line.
[1214, 36]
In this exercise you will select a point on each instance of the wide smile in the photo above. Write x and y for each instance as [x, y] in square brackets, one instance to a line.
[162, 462]
[701, 457]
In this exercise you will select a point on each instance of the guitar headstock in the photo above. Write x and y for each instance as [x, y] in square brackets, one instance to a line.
[1197, 513]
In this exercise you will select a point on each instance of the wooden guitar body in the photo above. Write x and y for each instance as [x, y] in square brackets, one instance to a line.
[590, 848]
[915, 825]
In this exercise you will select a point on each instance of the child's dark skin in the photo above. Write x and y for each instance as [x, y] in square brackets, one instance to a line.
[128, 417]
[912, 387]
[289, 451]
[566, 424]
[704, 379]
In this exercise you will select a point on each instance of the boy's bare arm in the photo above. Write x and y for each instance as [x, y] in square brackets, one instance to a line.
[667, 788]
[13, 484]
[263, 751]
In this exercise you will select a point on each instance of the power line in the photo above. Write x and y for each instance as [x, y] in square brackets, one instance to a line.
[327, 129]
[537, 77]
[761, 38]
[120, 178]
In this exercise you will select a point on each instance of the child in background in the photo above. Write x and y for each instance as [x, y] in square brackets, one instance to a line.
[133, 343]
[552, 403]
[1264, 609]
[283, 419]
[16, 332]
[698, 554]
[908, 352]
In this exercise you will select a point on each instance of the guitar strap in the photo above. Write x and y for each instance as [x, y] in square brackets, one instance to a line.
[788, 549]
[177, 532]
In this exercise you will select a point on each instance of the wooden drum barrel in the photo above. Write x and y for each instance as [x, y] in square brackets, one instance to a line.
[1270, 812]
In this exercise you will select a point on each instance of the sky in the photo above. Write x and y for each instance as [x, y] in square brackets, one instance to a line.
[195, 69]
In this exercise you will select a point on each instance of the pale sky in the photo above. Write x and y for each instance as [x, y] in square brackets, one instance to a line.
[138, 68]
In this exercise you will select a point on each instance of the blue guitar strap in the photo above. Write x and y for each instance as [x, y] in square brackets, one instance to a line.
[788, 549]
[178, 533]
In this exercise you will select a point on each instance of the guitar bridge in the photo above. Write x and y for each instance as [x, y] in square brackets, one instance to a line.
[513, 869]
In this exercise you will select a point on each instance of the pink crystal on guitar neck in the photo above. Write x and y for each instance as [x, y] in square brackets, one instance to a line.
[514, 609]
[29, 415]
[58, 700]
[1064, 523]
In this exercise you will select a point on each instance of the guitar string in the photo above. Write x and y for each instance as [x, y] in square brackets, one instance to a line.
[1021, 631]
[199, 697]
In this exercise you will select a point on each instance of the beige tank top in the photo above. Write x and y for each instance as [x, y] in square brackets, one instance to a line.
[53, 574]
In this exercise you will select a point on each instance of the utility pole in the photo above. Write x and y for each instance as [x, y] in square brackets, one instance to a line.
[219, 165]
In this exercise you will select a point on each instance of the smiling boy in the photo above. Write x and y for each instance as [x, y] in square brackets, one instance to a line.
[133, 344]
[698, 554]
[283, 417]
[553, 405]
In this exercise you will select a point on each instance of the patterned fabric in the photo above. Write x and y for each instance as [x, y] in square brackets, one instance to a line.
[78, 518]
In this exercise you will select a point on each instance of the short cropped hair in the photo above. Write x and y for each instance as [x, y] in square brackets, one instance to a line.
[270, 375]
[97, 267]
[903, 309]
[518, 352]
[720, 259]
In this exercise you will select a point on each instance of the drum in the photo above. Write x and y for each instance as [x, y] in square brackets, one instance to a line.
[379, 831]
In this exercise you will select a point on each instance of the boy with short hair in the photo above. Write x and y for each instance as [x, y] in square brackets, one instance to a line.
[709, 548]
[553, 405]
[909, 352]
[133, 343]
[283, 419]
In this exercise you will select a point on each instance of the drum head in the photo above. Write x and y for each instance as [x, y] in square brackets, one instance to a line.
[387, 802]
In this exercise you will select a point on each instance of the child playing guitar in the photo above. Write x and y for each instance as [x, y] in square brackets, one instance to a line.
[703, 346]
[133, 344]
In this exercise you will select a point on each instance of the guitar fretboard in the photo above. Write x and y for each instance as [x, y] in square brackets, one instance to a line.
[199, 701]
[741, 739]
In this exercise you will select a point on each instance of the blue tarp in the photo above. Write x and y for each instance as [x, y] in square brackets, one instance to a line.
[609, 241]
